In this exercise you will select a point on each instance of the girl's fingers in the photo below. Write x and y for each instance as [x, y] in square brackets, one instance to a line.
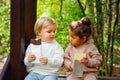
[84, 60]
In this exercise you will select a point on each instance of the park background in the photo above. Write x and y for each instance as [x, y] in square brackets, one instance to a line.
[105, 18]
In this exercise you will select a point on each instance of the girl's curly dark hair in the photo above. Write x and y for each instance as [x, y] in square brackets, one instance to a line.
[82, 27]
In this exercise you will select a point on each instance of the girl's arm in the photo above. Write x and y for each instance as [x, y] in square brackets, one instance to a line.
[67, 61]
[94, 57]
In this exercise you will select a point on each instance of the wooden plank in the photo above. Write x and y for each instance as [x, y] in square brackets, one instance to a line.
[30, 18]
[16, 39]
[20, 11]
[63, 77]
[108, 78]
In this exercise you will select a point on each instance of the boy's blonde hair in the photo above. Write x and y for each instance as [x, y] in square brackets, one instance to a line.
[43, 22]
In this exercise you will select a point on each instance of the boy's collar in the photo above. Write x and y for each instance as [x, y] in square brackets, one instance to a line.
[35, 42]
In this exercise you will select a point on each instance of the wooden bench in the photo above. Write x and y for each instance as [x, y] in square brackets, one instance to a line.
[63, 77]
[100, 78]
[4, 75]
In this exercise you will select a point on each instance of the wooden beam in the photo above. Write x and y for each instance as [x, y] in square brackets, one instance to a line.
[30, 18]
[23, 16]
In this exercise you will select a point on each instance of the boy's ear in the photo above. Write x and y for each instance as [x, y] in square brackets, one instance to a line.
[39, 33]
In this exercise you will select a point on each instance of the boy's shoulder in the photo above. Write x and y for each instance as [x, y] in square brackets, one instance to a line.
[35, 41]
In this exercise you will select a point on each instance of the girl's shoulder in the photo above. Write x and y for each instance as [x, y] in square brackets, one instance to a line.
[90, 44]
[69, 47]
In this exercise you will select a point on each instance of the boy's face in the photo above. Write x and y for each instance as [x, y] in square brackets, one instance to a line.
[48, 34]
[75, 40]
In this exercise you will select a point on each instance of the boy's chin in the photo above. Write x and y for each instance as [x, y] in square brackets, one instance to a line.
[50, 41]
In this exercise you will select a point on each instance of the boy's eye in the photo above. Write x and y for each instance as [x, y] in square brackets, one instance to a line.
[53, 31]
[49, 31]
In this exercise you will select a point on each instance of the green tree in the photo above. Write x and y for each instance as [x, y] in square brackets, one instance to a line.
[4, 26]
[102, 14]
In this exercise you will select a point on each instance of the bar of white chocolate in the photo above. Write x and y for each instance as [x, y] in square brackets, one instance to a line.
[79, 56]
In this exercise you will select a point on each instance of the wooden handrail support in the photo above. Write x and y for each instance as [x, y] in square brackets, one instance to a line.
[63, 77]
[4, 74]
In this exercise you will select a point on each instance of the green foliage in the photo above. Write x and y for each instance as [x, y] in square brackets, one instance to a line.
[63, 18]
[71, 10]
[117, 36]
[115, 60]
[4, 27]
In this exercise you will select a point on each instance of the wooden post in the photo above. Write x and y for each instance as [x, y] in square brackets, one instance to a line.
[23, 16]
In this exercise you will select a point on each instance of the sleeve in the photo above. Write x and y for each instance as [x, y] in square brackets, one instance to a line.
[57, 59]
[67, 59]
[28, 51]
[94, 57]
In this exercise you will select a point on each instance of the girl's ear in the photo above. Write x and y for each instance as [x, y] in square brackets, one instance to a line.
[85, 38]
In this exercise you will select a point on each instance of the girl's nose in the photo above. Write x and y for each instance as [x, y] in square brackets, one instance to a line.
[70, 39]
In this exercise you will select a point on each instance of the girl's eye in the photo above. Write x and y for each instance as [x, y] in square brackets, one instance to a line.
[72, 37]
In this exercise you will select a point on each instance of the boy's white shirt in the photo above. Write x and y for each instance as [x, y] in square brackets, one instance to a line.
[53, 51]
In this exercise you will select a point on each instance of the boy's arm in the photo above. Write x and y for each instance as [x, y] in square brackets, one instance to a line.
[28, 51]
[57, 59]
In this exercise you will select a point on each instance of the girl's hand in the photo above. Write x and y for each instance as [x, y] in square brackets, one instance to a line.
[84, 60]
[44, 60]
[31, 57]
[71, 66]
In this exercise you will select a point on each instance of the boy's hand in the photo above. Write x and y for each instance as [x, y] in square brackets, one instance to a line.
[44, 60]
[31, 57]
[84, 60]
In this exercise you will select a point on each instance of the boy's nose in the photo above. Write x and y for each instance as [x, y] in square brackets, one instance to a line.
[52, 33]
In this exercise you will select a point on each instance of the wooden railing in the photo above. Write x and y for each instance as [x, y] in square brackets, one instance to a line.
[63, 77]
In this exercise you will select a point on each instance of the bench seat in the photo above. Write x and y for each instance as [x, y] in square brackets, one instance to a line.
[63, 77]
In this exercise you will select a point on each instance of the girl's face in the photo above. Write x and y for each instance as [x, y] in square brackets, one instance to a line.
[75, 40]
[48, 34]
